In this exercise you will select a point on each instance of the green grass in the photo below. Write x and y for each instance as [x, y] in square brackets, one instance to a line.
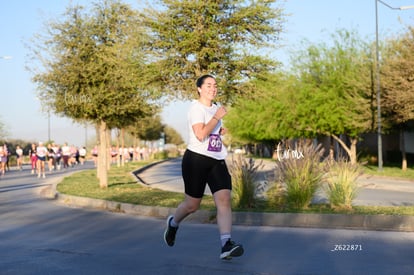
[123, 187]
[359, 210]
[390, 171]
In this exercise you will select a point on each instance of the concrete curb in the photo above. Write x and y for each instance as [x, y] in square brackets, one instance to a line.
[331, 221]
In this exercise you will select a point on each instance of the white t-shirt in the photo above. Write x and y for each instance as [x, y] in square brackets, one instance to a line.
[65, 150]
[19, 152]
[41, 151]
[212, 145]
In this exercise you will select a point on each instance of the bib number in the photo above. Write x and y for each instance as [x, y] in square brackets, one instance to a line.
[214, 143]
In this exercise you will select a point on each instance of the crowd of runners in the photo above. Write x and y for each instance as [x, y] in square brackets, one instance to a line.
[125, 154]
[54, 157]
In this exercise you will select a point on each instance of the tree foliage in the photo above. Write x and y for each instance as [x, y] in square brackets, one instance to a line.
[3, 130]
[92, 62]
[397, 90]
[223, 38]
[151, 127]
[336, 86]
[172, 136]
[329, 94]
[269, 114]
[147, 128]
[397, 78]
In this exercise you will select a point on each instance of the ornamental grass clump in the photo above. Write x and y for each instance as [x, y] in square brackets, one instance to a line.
[341, 183]
[244, 175]
[276, 196]
[300, 171]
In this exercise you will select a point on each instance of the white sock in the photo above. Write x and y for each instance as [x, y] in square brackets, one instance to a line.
[173, 223]
[224, 238]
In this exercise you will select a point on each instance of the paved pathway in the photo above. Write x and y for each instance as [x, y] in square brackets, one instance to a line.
[379, 191]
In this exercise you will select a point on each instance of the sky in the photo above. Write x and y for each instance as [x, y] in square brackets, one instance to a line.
[20, 20]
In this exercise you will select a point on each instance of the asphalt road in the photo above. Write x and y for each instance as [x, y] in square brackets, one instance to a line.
[39, 236]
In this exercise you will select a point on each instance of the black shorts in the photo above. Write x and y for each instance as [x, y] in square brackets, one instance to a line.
[199, 170]
[41, 158]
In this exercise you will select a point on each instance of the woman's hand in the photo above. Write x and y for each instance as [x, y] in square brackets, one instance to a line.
[220, 113]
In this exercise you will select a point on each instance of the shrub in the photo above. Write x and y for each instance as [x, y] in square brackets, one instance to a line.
[341, 188]
[160, 155]
[244, 174]
[276, 196]
[300, 171]
[173, 153]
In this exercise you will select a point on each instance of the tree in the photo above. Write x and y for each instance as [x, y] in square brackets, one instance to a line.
[223, 38]
[329, 94]
[3, 131]
[147, 128]
[397, 85]
[267, 115]
[92, 63]
[172, 136]
[337, 91]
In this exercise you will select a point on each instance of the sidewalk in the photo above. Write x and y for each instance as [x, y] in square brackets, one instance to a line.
[365, 180]
[173, 181]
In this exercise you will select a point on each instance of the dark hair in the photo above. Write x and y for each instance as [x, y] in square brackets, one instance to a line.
[200, 80]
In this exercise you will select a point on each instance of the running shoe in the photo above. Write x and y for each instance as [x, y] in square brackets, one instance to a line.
[170, 231]
[230, 250]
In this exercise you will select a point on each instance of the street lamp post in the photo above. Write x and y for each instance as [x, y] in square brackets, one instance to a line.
[86, 135]
[48, 126]
[380, 161]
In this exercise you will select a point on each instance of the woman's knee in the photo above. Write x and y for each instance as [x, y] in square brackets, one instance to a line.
[222, 198]
[192, 208]
[191, 204]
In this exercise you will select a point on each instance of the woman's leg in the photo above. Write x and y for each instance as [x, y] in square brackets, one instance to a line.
[186, 207]
[222, 199]
[33, 162]
[50, 164]
[43, 167]
[39, 167]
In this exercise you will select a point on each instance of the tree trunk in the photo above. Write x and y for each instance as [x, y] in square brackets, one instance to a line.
[118, 156]
[353, 155]
[331, 156]
[135, 146]
[107, 152]
[123, 146]
[351, 151]
[403, 153]
[98, 144]
[102, 156]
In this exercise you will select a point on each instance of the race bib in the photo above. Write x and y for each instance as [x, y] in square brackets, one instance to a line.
[214, 143]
